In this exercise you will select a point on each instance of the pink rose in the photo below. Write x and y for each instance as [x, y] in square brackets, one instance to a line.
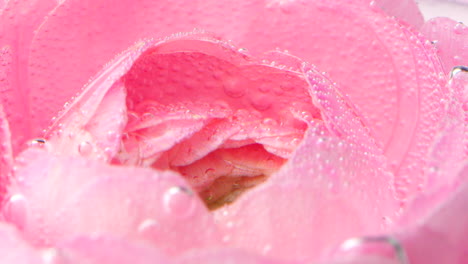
[232, 132]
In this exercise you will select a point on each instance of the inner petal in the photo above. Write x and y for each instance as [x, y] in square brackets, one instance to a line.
[222, 120]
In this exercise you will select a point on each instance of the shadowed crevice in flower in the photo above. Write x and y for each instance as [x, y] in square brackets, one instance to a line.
[222, 120]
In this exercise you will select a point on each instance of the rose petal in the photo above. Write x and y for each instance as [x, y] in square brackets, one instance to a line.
[445, 228]
[204, 93]
[6, 154]
[78, 129]
[19, 20]
[367, 43]
[59, 197]
[406, 10]
[298, 213]
[13, 249]
[225, 256]
[105, 249]
[450, 38]
[111, 28]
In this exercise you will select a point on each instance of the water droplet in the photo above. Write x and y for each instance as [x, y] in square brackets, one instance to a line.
[179, 201]
[37, 142]
[270, 122]
[148, 227]
[264, 87]
[15, 210]
[112, 135]
[233, 88]
[85, 148]
[261, 103]
[209, 171]
[459, 28]
[266, 248]
[230, 224]
[146, 116]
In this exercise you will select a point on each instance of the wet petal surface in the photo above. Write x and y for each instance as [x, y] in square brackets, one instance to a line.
[56, 198]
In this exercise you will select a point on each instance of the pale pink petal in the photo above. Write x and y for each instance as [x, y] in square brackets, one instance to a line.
[407, 10]
[13, 249]
[92, 124]
[110, 28]
[19, 20]
[226, 256]
[450, 147]
[373, 50]
[324, 194]
[6, 154]
[107, 249]
[443, 235]
[55, 198]
[451, 40]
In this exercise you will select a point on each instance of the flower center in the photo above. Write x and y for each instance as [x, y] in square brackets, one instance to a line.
[223, 122]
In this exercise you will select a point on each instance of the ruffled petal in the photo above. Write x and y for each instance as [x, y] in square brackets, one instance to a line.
[298, 213]
[56, 198]
[451, 40]
[19, 20]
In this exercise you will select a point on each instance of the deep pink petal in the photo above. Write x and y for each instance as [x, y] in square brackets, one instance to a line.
[450, 38]
[56, 198]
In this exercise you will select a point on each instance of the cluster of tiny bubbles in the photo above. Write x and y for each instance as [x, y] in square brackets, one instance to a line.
[179, 201]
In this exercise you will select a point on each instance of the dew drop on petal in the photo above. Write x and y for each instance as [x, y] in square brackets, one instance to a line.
[148, 227]
[179, 202]
[15, 210]
[269, 122]
[85, 148]
[458, 29]
[37, 142]
[233, 88]
[112, 135]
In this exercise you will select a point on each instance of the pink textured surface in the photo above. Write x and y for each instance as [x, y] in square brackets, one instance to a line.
[135, 127]
[451, 40]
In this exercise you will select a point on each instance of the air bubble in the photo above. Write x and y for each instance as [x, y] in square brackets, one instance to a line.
[85, 148]
[179, 202]
[15, 210]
